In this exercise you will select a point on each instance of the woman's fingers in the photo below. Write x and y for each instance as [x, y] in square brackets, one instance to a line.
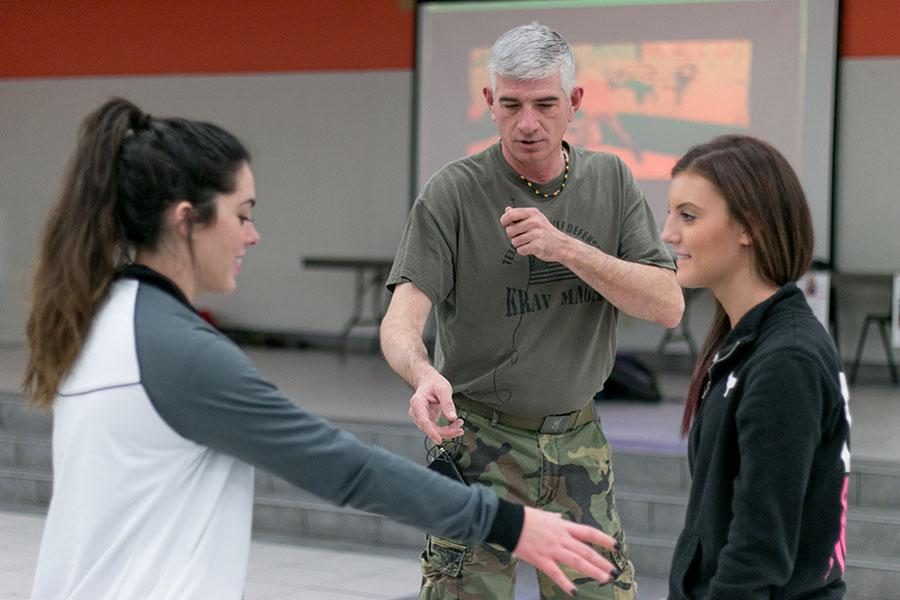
[552, 570]
[587, 562]
[548, 542]
[586, 533]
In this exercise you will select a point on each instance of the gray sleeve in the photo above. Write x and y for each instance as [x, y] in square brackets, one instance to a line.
[425, 255]
[640, 241]
[217, 398]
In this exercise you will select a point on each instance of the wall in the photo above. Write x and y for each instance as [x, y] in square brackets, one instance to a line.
[867, 180]
[319, 91]
[316, 192]
[322, 94]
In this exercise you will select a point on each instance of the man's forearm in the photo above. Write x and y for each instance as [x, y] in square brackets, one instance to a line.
[642, 291]
[404, 350]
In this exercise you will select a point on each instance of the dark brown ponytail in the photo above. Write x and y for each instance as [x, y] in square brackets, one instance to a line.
[81, 250]
[126, 170]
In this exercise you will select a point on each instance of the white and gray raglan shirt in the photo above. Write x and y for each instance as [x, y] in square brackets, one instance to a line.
[156, 432]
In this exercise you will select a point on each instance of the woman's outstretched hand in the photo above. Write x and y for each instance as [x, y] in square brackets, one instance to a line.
[548, 542]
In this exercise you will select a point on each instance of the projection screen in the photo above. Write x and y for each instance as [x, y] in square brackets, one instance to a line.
[658, 77]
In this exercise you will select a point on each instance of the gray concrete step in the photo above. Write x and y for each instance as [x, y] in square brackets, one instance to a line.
[651, 495]
[871, 577]
[651, 556]
[874, 532]
[16, 417]
[305, 519]
[25, 487]
[868, 576]
[662, 473]
[28, 452]
[870, 532]
[650, 515]
[874, 484]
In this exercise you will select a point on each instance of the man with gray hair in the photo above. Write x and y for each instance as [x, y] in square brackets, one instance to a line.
[527, 251]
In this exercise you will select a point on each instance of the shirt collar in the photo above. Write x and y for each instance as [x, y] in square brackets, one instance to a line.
[145, 274]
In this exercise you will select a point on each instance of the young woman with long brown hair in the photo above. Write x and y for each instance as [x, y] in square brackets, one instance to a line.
[159, 419]
[766, 412]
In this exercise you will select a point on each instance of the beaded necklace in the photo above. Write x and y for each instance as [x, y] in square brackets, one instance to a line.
[538, 192]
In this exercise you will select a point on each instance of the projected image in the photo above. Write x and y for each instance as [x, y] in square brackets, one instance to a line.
[642, 99]
[659, 76]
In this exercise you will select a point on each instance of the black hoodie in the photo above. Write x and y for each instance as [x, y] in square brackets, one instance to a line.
[769, 458]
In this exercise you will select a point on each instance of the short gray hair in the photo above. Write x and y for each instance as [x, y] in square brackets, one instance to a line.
[531, 52]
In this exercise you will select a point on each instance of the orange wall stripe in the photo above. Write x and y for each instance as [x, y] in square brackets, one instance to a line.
[64, 38]
[59, 38]
[869, 28]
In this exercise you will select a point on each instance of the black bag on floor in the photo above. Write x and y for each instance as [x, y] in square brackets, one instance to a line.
[630, 380]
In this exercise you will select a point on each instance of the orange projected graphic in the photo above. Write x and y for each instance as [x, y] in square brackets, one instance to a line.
[639, 99]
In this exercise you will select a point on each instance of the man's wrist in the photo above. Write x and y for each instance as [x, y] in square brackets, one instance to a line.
[576, 254]
[421, 372]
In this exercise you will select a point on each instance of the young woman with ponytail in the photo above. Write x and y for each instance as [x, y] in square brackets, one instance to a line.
[159, 419]
[766, 413]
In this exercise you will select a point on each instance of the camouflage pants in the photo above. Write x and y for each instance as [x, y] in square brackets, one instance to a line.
[569, 473]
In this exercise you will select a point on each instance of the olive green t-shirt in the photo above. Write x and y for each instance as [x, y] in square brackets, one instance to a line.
[524, 336]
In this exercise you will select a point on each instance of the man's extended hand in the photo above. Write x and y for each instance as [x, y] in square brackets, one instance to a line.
[432, 398]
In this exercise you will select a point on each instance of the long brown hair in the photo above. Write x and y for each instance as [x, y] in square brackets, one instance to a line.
[128, 168]
[764, 195]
